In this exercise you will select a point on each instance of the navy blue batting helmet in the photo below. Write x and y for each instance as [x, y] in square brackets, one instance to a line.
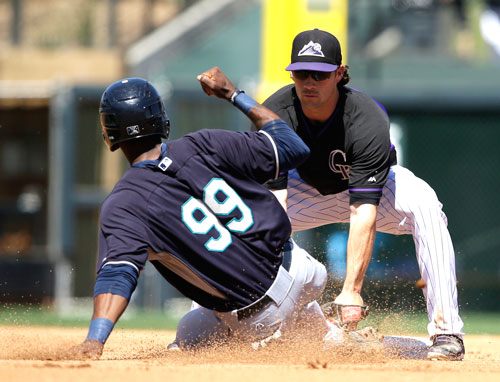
[132, 108]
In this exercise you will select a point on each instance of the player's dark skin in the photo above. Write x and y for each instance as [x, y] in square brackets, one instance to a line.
[111, 306]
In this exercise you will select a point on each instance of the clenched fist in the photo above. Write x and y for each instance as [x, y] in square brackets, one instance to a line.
[214, 82]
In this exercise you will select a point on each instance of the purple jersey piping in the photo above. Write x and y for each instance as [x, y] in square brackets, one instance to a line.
[365, 189]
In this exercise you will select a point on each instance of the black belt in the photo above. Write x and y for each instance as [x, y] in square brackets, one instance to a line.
[265, 300]
[254, 308]
[287, 256]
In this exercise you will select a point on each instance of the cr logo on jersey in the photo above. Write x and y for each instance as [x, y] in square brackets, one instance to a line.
[337, 163]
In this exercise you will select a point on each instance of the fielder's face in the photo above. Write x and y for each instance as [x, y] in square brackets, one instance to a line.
[317, 95]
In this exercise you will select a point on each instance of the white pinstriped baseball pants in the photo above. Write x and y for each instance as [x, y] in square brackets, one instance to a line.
[408, 206]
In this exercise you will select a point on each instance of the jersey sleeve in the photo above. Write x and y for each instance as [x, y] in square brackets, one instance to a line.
[369, 146]
[292, 151]
[121, 237]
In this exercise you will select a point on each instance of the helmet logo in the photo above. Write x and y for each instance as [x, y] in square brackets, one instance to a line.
[133, 130]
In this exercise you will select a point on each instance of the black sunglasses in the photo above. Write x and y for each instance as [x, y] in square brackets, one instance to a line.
[316, 76]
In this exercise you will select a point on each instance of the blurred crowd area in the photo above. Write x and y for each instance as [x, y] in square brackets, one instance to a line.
[84, 40]
[460, 28]
[376, 28]
[75, 40]
[83, 23]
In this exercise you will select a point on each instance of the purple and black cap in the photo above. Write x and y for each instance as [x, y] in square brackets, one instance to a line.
[315, 50]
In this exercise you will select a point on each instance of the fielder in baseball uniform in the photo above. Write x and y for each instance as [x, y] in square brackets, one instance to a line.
[352, 177]
[196, 208]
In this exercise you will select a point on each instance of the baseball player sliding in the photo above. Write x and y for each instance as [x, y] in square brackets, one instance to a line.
[352, 177]
[196, 208]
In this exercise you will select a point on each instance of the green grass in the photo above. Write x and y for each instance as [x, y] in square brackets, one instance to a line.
[481, 322]
[414, 323]
[47, 316]
[393, 323]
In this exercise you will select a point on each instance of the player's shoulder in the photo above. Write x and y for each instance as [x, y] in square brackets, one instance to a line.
[282, 98]
[132, 190]
[359, 102]
[205, 140]
[217, 137]
[219, 145]
[283, 102]
[185, 147]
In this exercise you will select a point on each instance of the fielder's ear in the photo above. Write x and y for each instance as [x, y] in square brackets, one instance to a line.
[339, 73]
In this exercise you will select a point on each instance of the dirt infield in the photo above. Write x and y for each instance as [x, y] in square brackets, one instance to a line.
[33, 353]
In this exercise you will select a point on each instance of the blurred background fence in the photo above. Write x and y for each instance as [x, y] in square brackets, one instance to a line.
[430, 62]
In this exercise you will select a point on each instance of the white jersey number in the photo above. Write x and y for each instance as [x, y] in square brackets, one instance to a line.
[218, 199]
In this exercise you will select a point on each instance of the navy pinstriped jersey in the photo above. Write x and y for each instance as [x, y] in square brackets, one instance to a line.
[202, 217]
[352, 150]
